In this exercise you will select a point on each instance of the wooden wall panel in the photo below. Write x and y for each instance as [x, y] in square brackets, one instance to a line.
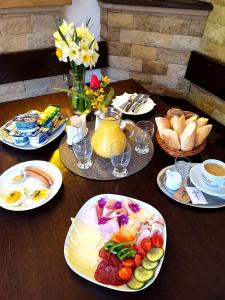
[39, 63]
[32, 3]
[207, 73]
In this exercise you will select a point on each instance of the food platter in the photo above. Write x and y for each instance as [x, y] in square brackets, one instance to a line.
[30, 147]
[144, 108]
[213, 202]
[72, 257]
[33, 129]
[29, 185]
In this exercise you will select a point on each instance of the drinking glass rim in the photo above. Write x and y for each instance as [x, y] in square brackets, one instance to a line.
[83, 140]
[145, 122]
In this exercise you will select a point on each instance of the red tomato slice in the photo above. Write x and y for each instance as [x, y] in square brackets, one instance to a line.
[157, 240]
[137, 260]
[128, 262]
[140, 251]
[125, 273]
[146, 244]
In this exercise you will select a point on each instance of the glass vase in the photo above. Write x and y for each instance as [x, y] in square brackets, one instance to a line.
[77, 95]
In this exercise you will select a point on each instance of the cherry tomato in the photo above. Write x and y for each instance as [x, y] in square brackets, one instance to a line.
[140, 251]
[137, 260]
[157, 240]
[125, 273]
[146, 244]
[128, 262]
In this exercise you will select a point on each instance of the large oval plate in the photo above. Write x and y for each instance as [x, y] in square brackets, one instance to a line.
[51, 138]
[213, 202]
[51, 169]
[81, 212]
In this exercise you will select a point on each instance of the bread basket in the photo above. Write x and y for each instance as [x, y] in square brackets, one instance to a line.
[180, 153]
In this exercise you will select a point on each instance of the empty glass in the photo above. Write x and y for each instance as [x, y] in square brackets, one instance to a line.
[120, 153]
[182, 166]
[143, 132]
[83, 152]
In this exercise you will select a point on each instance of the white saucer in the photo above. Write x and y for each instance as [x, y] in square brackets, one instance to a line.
[144, 109]
[195, 176]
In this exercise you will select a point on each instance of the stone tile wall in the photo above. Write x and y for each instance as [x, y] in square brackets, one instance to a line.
[153, 47]
[213, 45]
[27, 29]
[150, 46]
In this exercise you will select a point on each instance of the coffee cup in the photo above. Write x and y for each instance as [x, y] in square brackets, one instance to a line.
[213, 172]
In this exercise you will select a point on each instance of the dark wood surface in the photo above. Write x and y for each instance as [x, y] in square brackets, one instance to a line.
[206, 72]
[31, 64]
[31, 243]
[182, 4]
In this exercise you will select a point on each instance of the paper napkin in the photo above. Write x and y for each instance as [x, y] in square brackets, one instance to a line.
[196, 195]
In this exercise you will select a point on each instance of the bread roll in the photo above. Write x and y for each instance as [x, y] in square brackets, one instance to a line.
[191, 119]
[174, 112]
[187, 138]
[161, 124]
[201, 122]
[201, 134]
[170, 137]
[179, 125]
[173, 121]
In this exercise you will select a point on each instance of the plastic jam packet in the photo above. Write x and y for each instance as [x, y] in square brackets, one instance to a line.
[196, 195]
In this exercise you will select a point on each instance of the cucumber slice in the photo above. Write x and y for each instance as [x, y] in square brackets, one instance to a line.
[134, 284]
[143, 275]
[155, 254]
[149, 265]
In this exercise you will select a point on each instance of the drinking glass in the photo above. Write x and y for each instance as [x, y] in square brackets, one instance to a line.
[182, 166]
[143, 133]
[83, 152]
[120, 154]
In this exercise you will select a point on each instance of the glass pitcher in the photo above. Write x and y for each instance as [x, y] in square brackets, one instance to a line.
[108, 131]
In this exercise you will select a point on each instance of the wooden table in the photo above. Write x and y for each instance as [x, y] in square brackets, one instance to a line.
[31, 243]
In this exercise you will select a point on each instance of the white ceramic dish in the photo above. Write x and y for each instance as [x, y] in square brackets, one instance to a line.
[144, 109]
[195, 176]
[81, 212]
[30, 183]
[213, 202]
[30, 147]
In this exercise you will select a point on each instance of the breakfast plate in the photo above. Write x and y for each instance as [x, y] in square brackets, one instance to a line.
[212, 201]
[33, 129]
[143, 109]
[195, 177]
[29, 146]
[91, 242]
[29, 185]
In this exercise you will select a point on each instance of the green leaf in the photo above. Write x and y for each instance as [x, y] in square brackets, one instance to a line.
[88, 21]
[109, 96]
[91, 43]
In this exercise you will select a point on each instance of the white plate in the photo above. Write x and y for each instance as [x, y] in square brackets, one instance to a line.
[30, 147]
[195, 176]
[213, 202]
[31, 183]
[144, 109]
[81, 212]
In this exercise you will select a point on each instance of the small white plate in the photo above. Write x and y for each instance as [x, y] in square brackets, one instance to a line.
[82, 211]
[30, 147]
[30, 183]
[196, 179]
[144, 109]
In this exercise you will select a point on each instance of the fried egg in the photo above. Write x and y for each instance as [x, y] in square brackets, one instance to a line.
[39, 195]
[13, 197]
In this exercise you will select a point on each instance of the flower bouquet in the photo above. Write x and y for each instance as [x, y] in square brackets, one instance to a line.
[78, 46]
